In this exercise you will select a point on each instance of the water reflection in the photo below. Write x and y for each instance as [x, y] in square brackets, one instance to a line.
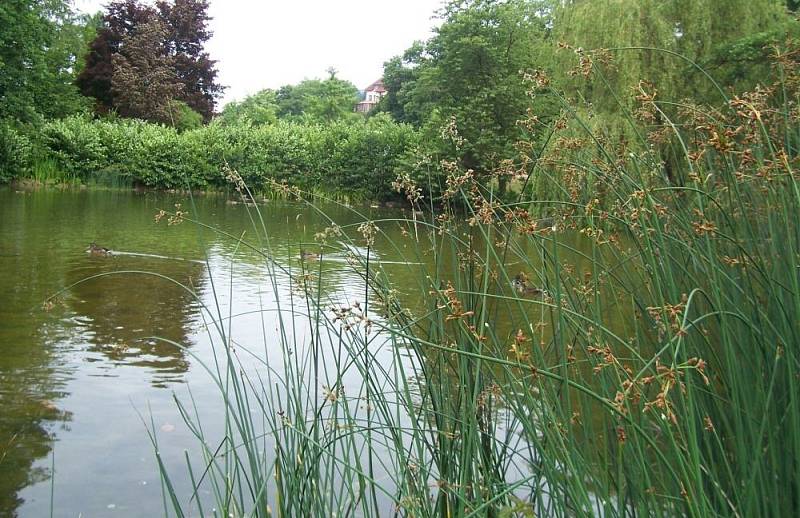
[92, 356]
[44, 237]
[122, 314]
[25, 433]
[31, 382]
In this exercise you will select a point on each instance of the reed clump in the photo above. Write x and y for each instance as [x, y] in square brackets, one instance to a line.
[655, 373]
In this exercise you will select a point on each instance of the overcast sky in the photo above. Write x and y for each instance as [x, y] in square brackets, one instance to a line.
[269, 43]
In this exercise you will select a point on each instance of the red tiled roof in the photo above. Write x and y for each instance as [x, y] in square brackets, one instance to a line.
[377, 86]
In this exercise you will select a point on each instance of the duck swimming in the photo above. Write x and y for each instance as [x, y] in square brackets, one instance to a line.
[521, 285]
[308, 256]
[97, 250]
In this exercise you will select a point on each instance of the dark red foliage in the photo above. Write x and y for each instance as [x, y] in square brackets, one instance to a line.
[186, 24]
[123, 17]
[95, 79]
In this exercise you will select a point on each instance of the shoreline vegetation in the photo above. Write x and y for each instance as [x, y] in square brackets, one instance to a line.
[108, 121]
[670, 148]
[353, 159]
[686, 405]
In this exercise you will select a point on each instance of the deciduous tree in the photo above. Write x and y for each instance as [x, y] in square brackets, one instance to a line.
[317, 100]
[40, 51]
[120, 20]
[188, 32]
[469, 77]
[257, 109]
[654, 49]
[656, 41]
[144, 83]
[184, 28]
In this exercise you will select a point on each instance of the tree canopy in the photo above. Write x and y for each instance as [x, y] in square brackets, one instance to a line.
[311, 100]
[463, 89]
[258, 109]
[656, 41]
[155, 49]
[41, 47]
[144, 83]
[321, 100]
[468, 77]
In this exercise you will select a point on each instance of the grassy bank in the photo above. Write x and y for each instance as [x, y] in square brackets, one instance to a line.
[656, 374]
[356, 158]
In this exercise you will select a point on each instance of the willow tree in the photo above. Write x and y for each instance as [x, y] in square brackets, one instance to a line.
[612, 51]
[657, 41]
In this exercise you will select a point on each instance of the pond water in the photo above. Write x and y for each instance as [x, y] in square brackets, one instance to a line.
[81, 379]
[77, 378]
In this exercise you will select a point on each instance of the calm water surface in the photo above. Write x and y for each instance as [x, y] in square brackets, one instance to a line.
[77, 379]
[80, 381]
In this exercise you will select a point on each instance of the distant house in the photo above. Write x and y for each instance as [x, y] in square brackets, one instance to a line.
[372, 95]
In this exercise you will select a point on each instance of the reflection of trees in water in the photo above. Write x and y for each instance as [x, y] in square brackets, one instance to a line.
[44, 238]
[29, 381]
[121, 311]
[24, 438]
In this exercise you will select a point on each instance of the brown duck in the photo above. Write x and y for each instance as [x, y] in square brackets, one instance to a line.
[97, 250]
[523, 287]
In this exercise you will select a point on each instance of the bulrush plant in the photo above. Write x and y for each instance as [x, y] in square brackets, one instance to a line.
[657, 374]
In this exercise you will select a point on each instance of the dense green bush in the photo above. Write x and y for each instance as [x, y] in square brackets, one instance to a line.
[75, 145]
[364, 157]
[359, 157]
[15, 152]
[184, 117]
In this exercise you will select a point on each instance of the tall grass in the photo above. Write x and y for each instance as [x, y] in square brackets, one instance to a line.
[657, 375]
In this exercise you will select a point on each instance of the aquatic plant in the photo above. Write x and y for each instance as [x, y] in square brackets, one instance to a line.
[658, 374]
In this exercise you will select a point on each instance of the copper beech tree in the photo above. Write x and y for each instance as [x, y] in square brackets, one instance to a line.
[146, 61]
[144, 83]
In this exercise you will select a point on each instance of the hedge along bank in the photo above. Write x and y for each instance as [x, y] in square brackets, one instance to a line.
[358, 158]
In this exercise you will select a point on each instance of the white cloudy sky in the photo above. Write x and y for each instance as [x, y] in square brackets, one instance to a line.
[269, 43]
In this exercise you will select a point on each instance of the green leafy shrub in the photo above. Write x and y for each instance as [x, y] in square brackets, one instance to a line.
[355, 157]
[75, 146]
[365, 158]
[15, 152]
[185, 118]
